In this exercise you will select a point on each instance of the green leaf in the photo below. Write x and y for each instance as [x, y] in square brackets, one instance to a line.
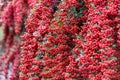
[37, 57]
[79, 14]
[60, 23]
[83, 8]
[93, 6]
[77, 36]
[57, 18]
[72, 10]
[32, 11]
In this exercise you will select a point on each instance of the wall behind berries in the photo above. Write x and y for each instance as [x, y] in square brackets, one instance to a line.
[60, 40]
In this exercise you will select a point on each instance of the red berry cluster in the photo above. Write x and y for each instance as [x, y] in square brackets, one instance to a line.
[37, 25]
[13, 15]
[97, 44]
[61, 39]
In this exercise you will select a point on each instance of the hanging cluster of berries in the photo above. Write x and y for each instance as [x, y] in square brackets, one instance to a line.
[13, 16]
[60, 39]
[97, 43]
